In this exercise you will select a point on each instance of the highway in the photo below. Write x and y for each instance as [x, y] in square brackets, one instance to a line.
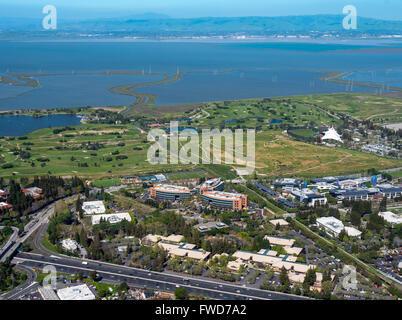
[150, 279]
[10, 241]
[22, 289]
[41, 217]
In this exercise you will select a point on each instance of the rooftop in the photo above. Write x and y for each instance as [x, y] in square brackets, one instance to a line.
[391, 217]
[91, 207]
[170, 188]
[81, 292]
[111, 218]
[224, 195]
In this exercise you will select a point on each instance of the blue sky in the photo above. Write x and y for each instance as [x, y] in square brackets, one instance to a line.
[385, 9]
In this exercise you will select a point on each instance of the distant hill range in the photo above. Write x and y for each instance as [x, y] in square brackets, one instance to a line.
[160, 25]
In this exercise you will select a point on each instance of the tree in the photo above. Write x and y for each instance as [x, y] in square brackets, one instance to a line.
[93, 275]
[181, 294]
[283, 276]
[326, 287]
[376, 222]
[383, 204]
[355, 218]
[342, 234]
[309, 280]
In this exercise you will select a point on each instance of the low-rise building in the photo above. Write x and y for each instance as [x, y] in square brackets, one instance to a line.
[151, 239]
[93, 207]
[169, 192]
[184, 250]
[351, 194]
[234, 201]
[111, 218]
[268, 257]
[391, 217]
[81, 292]
[69, 245]
[279, 241]
[6, 206]
[390, 191]
[309, 197]
[288, 182]
[281, 222]
[33, 192]
[215, 184]
[333, 227]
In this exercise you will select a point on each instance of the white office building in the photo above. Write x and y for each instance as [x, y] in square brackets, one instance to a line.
[391, 217]
[93, 207]
[111, 218]
[333, 227]
[81, 292]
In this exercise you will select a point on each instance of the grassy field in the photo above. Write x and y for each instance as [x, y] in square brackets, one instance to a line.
[251, 113]
[360, 105]
[106, 183]
[278, 155]
[119, 150]
[107, 152]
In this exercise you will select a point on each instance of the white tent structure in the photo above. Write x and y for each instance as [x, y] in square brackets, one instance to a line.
[331, 134]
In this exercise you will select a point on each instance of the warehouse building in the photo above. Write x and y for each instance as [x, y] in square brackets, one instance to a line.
[169, 192]
[235, 201]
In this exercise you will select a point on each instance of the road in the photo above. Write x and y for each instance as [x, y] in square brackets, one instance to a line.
[12, 238]
[22, 289]
[215, 289]
[149, 279]
[38, 219]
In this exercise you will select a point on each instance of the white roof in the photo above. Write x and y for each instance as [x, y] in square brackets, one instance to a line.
[331, 223]
[331, 134]
[81, 292]
[279, 241]
[336, 226]
[171, 188]
[111, 218]
[281, 222]
[391, 217]
[352, 232]
[69, 244]
[182, 250]
[93, 207]
[224, 195]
